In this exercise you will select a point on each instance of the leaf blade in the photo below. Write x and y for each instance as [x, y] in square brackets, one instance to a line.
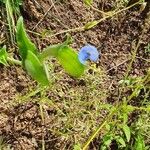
[90, 25]
[23, 41]
[70, 62]
[36, 69]
[121, 141]
[139, 143]
[3, 56]
[127, 132]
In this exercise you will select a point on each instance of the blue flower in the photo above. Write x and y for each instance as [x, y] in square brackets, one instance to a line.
[88, 52]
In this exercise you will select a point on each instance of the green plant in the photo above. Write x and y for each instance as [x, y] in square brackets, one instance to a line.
[125, 136]
[3, 56]
[88, 2]
[117, 127]
[147, 48]
[12, 11]
[3, 145]
[118, 130]
[34, 62]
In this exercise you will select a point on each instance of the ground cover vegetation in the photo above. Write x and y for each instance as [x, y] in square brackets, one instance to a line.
[74, 74]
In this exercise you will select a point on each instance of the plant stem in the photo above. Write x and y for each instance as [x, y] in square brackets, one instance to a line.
[106, 16]
[95, 133]
[141, 108]
[50, 51]
[67, 31]
[53, 49]
[14, 61]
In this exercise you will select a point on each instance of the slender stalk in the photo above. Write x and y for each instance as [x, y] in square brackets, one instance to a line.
[106, 16]
[53, 49]
[67, 31]
[96, 132]
[49, 51]
[14, 61]
[10, 19]
[141, 108]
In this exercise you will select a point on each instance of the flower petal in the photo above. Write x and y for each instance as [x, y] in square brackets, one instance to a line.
[88, 52]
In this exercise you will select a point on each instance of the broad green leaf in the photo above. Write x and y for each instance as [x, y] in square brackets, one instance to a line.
[70, 62]
[88, 2]
[108, 140]
[90, 25]
[121, 141]
[36, 69]
[139, 144]
[127, 132]
[3, 56]
[103, 147]
[23, 41]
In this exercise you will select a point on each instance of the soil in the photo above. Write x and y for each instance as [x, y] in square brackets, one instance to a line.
[21, 125]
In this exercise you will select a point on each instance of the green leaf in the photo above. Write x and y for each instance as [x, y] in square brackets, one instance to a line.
[36, 69]
[88, 2]
[23, 41]
[129, 108]
[90, 25]
[103, 147]
[139, 144]
[127, 132]
[121, 141]
[3, 56]
[70, 62]
[77, 147]
[108, 127]
[108, 139]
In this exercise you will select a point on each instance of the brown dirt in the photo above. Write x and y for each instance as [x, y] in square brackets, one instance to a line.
[21, 126]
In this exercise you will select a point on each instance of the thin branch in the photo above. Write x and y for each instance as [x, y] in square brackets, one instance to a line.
[115, 67]
[113, 13]
[42, 18]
